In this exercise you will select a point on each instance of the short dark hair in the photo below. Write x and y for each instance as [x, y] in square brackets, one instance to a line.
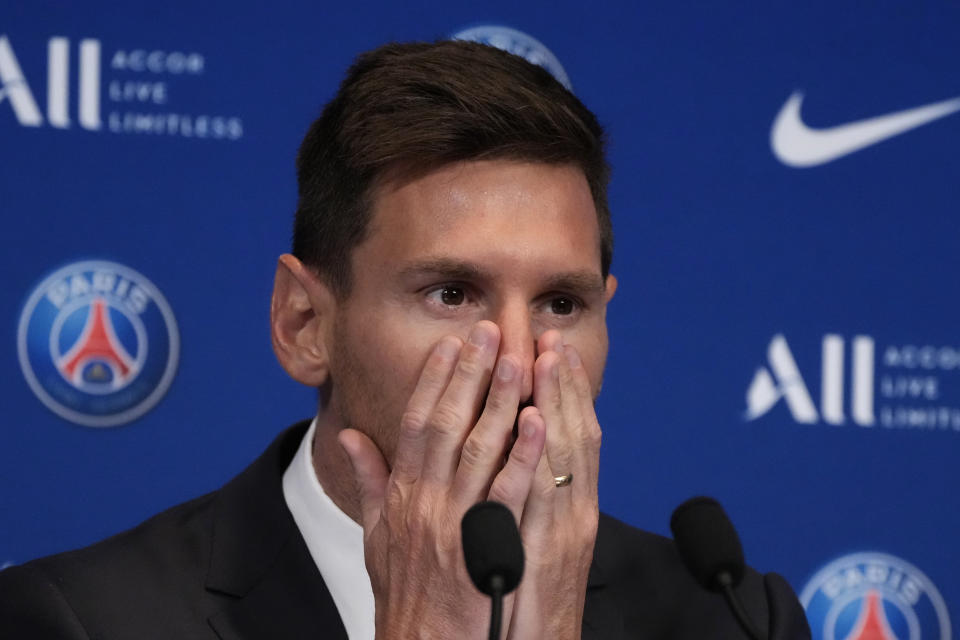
[412, 108]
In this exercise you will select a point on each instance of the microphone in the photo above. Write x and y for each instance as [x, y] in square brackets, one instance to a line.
[494, 554]
[711, 550]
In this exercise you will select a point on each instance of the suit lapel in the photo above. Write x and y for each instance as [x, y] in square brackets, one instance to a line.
[291, 601]
[259, 562]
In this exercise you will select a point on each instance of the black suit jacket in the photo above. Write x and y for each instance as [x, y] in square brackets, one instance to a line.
[232, 565]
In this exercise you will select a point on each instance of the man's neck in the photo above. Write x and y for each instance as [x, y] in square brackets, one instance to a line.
[333, 468]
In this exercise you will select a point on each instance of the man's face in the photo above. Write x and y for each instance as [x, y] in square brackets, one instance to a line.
[515, 243]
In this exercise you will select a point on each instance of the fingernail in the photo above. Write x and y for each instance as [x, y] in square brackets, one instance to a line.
[529, 430]
[448, 348]
[481, 337]
[506, 370]
[572, 356]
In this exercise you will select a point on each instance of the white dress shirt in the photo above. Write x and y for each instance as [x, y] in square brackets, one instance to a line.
[334, 540]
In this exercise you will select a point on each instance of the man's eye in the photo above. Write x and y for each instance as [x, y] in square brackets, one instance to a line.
[450, 296]
[562, 306]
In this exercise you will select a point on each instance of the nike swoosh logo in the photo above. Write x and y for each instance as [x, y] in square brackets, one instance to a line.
[797, 145]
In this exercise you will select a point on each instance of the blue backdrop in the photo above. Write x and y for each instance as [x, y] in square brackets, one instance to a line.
[785, 332]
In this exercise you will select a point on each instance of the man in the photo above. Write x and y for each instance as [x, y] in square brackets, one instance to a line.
[447, 295]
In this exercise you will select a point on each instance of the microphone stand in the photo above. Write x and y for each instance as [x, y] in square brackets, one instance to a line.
[725, 582]
[496, 605]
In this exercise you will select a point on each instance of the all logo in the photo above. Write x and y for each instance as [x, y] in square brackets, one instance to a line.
[17, 91]
[98, 343]
[517, 43]
[782, 380]
[907, 388]
[874, 596]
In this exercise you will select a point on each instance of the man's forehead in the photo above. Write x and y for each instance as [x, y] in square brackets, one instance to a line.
[456, 176]
[472, 219]
[460, 192]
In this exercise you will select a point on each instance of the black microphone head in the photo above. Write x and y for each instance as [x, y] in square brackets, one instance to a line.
[707, 541]
[492, 546]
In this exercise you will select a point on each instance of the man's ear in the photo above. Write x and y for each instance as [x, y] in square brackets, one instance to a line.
[611, 287]
[301, 316]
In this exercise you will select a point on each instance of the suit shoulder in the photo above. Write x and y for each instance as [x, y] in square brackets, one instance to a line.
[180, 533]
[623, 549]
[169, 574]
[644, 572]
[132, 575]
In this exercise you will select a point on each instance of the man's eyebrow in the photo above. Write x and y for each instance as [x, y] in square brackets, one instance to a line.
[584, 282]
[445, 267]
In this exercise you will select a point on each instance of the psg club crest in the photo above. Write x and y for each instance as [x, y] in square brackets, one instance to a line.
[98, 343]
[874, 596]
[519, 44]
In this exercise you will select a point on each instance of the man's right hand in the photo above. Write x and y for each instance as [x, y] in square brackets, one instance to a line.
[446, 460]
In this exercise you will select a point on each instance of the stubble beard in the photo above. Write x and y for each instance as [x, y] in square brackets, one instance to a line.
[361, 397]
